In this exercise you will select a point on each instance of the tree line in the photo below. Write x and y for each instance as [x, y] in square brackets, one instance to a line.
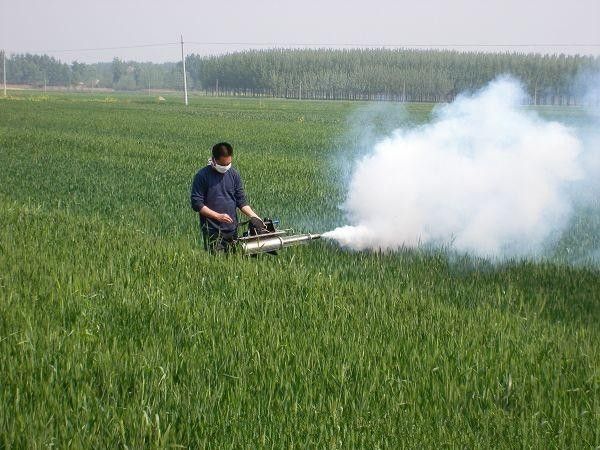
[352, 74]
[383, 74]
[43, 70]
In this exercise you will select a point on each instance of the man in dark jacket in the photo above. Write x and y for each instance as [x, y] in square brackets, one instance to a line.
[217, 191]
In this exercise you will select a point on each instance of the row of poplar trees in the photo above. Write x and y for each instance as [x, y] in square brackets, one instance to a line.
[384, 74]
[353, 74]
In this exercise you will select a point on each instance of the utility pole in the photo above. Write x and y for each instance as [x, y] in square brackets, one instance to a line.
[300, 92]
[185, 96]
[4, 69]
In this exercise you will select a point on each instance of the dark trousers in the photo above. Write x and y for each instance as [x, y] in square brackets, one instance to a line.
[216, 241]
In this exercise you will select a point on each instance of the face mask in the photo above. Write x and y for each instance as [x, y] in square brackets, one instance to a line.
[219, 168]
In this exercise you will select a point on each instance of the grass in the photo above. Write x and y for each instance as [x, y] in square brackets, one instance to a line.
[117, 330]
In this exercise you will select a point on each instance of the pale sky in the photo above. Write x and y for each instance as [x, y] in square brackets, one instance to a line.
[49, 25]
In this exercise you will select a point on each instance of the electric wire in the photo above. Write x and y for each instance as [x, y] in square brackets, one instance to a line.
[319, 44]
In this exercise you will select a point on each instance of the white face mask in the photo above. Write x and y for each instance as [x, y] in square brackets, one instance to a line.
[219, 168]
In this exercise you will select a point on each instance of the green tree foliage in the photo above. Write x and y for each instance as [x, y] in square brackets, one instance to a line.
[353, 74]
[118, 74]
[36, 69]
[379, 74]
[118, 68]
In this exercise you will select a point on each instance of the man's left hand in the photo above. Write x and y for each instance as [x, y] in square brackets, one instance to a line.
[257, 223]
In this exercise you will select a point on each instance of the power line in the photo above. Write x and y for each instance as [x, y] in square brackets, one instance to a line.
[318, 44]
[166, 44]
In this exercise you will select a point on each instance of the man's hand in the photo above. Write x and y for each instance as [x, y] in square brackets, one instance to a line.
[257, 223]
[224, 218]
[207, 212]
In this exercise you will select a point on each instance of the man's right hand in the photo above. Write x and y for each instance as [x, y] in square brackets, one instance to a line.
[207, 212]
[225, 218]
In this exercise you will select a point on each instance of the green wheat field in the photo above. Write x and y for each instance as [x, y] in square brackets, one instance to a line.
[118, 331]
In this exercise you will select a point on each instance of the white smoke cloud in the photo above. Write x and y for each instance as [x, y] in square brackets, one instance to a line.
[484, 177]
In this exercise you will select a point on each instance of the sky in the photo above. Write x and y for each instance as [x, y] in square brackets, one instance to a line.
[54, 26]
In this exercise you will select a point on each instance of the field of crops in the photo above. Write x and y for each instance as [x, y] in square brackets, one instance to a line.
[117, 330]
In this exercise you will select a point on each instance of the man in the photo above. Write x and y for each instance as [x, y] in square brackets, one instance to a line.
[217, 191]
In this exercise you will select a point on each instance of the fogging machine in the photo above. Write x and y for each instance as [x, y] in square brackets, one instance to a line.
[269, 239]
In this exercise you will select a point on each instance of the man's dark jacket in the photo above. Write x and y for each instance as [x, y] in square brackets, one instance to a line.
[222, 193]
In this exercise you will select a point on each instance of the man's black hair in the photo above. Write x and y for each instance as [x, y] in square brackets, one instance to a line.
[222, 149]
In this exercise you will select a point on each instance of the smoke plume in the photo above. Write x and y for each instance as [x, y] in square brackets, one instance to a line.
[485, 176]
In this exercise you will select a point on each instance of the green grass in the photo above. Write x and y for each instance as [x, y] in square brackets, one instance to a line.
[117, 330]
